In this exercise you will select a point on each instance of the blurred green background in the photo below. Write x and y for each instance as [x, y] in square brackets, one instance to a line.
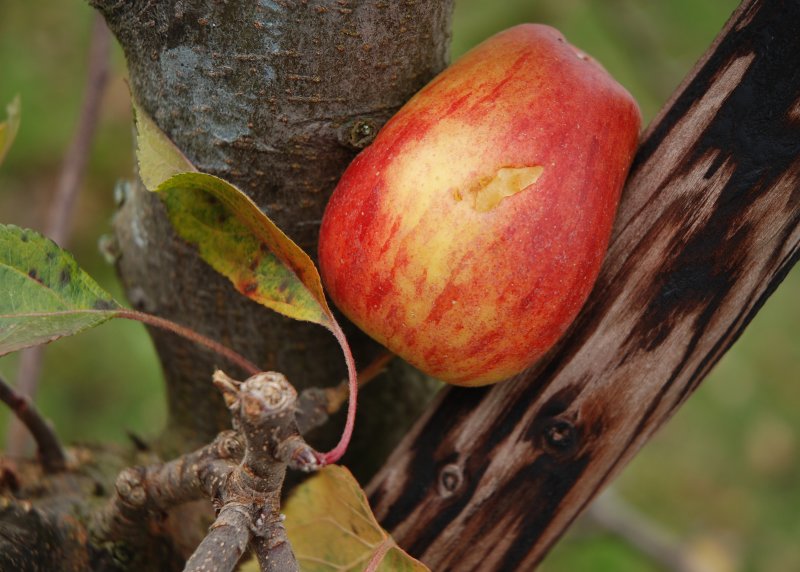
[722, 477]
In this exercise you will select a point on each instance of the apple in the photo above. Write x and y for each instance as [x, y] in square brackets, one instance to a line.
[469, 234]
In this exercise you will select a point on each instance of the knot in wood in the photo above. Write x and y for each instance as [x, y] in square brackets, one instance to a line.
[9, 480]
[560, 437]
[359, 133]
[230, 447]
[122, 190]
[129, 487]
[451, 478]
[122, 554]
[266, 394]
[264, 520]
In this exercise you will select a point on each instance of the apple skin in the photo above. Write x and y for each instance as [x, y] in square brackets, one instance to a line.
[466, 284]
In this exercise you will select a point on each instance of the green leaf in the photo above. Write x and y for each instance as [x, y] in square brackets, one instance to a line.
[332, 528]
[9, 127]
[44, 295]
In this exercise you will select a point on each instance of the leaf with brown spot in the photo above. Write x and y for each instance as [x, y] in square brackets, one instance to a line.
[9, 127]
[283, 278]
[238, 240]
[230, 231]
[332, 528]
[44, 295]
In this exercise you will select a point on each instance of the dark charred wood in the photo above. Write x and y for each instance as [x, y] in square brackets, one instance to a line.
[45, 520]
[708, 227]
[34, 539]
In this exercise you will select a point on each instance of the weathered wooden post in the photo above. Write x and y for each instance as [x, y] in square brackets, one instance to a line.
[708, 227]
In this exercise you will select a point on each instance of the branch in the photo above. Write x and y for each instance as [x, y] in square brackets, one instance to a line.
[60, 212]
[51, 454]
[708, 227]
[614, 515]
[263, 409]
[242, 472]
[77, 155]
[142, 493]
[277, 98]
[36, 537]
[315, 405]
[272, 548]
[225, 542]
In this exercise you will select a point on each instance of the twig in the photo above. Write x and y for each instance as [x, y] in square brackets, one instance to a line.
[338, 395]
[242, 472]
[60, 212]
[613, 514]
[144, 491]
[225, 543]
[263, 410]
[315, 405]
[191, 335]
[78, 151]
[28, 372]
[272, 548]
[51, 454]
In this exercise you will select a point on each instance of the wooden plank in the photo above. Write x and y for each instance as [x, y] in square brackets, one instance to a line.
[708, 227]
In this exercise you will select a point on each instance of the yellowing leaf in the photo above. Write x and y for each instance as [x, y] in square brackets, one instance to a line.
[44, 295]
[9, 127]
[158, 157]
[332, 529]
[230, 231]
[240, 242]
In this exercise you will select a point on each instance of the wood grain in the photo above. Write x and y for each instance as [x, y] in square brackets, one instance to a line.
[708, 227]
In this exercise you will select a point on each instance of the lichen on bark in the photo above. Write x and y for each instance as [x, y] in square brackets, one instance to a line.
[276, 97]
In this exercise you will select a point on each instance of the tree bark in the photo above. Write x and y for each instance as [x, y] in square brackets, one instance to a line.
[275, 96]
[708, 227]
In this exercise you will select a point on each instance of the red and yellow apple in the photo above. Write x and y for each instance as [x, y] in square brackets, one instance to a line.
[469, 234]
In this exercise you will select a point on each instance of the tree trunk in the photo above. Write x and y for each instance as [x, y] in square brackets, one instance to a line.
[276, 97]
[708, 227]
